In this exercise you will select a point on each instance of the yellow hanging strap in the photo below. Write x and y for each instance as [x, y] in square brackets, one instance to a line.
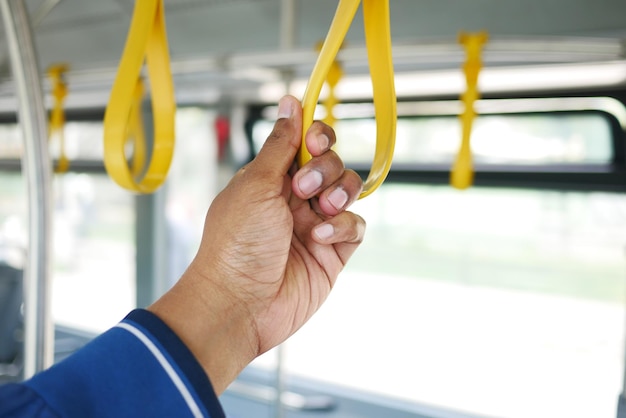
[136, 133]
[146, 39]
[57, 116]
[378, 42]
[462, 174]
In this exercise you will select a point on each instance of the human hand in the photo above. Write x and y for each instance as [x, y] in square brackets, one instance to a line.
[274, 241]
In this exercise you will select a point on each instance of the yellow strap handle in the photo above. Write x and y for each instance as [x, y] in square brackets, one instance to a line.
[462, 174]
[57, 116]
[378, 42]
[146, 38]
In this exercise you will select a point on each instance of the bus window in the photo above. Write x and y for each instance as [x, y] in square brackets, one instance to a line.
[193, 181]
[540, 139]
[491, 301]
[92, 224]
[507, 132]
[93, 276]
[497, 301]
[83, 141]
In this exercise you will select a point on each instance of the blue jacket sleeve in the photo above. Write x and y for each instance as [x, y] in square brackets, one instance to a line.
[139, 368]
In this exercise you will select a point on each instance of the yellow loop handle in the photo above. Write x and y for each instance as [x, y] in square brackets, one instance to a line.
[462, 174]
[146, 38]
[57, 116]
[378, 42]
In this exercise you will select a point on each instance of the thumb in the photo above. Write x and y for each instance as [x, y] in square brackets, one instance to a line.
[279, 150]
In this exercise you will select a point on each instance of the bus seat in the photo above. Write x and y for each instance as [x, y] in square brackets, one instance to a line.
[11, 290]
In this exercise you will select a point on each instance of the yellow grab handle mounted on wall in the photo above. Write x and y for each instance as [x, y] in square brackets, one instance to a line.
[56, 126]
[462, 174]
[146, 39]
[378, 42]
[335, 72]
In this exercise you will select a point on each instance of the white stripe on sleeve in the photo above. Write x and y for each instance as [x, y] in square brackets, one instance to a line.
[184, 391]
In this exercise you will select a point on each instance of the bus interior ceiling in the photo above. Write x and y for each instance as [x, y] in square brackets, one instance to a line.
[229, 49]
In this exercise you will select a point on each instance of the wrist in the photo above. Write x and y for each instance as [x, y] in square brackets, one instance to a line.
[217, 330]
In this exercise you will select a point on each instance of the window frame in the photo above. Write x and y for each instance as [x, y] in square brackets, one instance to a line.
[611, 178]
[77, 165]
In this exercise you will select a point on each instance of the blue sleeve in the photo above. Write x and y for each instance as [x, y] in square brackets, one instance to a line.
[139, 368]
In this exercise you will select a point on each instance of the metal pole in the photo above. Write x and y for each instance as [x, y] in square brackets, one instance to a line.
[38, 330]
[287, 24]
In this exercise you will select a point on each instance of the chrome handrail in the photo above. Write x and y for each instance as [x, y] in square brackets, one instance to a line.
[38, 330]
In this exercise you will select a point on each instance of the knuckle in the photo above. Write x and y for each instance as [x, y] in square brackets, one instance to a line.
[282, 128]
[356, 228]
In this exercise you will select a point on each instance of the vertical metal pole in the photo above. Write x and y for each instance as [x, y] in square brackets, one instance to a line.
[38, 330]
[287, 24]
[151, 256]
[151, 253]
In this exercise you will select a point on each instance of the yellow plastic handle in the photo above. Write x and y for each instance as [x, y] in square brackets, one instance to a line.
[146, 39]
[378, 42]
[462, 174]
[57, 116]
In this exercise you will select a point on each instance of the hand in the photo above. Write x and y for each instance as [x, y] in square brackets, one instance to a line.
[274, 241]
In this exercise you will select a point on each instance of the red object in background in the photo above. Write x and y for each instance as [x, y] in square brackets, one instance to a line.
[222, 133]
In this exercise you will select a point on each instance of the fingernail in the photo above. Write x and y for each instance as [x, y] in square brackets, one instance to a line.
[324, 231]
[323, 141]
[338, 198]
[310, 182]
[285, 108]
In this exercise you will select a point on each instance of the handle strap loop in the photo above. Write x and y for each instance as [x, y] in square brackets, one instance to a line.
[378, 42]
[146, 39]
